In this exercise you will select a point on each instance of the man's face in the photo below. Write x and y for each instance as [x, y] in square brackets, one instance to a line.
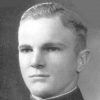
[46, 55]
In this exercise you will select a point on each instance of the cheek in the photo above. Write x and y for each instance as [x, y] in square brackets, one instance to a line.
[23, 63]
[62, 63]
[23, 60]
[61, 58]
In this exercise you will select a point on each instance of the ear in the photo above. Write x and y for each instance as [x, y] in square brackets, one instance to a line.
[83, 58]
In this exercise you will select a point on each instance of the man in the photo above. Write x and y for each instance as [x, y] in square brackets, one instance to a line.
[52, 50]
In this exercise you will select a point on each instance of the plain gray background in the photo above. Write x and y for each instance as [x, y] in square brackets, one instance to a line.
[90, 77]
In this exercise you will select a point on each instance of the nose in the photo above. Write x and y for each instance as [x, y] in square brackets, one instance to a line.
[37, 60]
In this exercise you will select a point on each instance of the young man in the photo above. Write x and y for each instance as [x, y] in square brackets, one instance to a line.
[52, 50]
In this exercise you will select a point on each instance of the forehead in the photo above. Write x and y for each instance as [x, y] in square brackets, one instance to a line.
[44, 30]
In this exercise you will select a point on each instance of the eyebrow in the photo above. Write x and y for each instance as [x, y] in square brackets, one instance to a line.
[54, 44]
[24, 46]
[51, 44]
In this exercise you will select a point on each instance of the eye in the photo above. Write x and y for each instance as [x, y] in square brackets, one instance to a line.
[25, 50]
[53, 49]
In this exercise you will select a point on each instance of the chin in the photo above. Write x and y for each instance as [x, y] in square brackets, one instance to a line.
[42, 91]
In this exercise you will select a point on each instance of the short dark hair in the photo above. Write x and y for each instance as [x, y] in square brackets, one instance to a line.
[68, 17]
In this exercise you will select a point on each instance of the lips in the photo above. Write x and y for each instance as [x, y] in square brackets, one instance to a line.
[39, 75]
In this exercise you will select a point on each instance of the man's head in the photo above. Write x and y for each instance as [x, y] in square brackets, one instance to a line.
[52, 48]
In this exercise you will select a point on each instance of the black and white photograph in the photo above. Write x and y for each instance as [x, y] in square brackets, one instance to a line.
[49, 49]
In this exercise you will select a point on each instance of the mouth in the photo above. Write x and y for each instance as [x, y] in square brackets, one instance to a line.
[39, 76]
